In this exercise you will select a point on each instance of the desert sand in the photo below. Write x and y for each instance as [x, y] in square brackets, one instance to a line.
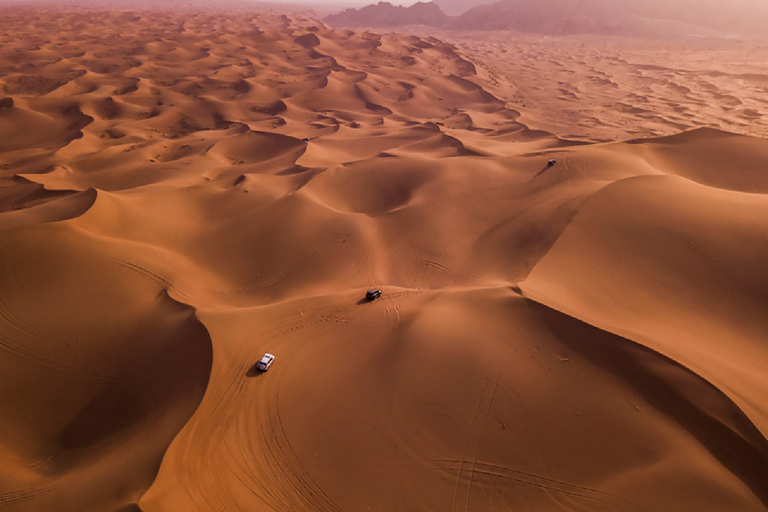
[183, 191]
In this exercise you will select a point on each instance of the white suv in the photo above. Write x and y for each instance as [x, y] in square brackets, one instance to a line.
[265, 362]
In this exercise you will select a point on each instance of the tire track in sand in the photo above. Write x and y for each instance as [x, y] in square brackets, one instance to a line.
[469, 463]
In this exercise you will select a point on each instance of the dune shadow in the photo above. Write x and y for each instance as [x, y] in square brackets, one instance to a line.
[732, 438]
[131, 507]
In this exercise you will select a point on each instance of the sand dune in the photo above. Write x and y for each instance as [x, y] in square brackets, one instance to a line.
[615, 88]
[709, 293]
[181, 192]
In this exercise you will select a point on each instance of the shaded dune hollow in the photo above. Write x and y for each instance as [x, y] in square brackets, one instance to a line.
[563, 326]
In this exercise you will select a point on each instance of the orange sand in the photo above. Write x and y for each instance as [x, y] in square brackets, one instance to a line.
[182, 192]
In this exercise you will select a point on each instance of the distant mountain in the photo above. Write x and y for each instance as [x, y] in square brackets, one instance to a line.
[456, 7]
[653, 18]
[549, 16]
[385, 14]
[541, 16]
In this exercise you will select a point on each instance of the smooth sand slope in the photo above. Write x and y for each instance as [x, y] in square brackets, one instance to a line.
[182, 192]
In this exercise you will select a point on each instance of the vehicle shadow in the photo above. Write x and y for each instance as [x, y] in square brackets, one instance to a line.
[364, 301]
[543, 170]
[253, 371]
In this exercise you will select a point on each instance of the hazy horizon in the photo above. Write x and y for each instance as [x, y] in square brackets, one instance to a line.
[287, 3]
[353, 3]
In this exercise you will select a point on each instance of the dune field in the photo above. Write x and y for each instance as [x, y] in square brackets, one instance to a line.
[609, 88]
[183, 191]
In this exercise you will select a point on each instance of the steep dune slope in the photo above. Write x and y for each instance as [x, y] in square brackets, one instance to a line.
[676, 266]
[100, 371]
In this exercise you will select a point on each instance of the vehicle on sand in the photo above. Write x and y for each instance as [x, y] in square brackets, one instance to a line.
[265, 362]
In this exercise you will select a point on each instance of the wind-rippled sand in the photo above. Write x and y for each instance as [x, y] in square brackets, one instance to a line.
[182, 192]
